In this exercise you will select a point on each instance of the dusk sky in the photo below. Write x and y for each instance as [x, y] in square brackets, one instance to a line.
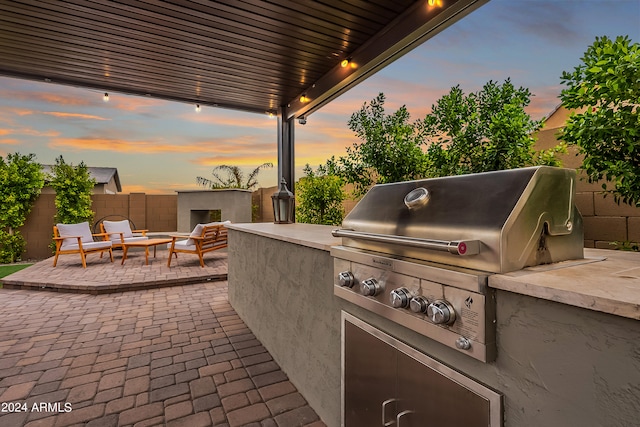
[160, 146]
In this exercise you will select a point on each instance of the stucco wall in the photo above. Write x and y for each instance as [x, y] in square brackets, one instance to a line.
[557, 365]
[234, 204]
[280, 290]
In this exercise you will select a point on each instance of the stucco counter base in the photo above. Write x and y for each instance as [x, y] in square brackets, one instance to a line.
[569, 363]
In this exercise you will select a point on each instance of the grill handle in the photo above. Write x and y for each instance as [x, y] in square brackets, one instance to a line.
[458, 247]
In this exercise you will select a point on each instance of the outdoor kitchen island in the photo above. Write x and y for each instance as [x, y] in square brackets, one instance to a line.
[568, 338]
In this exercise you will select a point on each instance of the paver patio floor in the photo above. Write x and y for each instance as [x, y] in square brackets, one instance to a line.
[176, 356]
[103, 276]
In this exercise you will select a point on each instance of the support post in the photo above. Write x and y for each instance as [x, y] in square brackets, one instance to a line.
[286, 142]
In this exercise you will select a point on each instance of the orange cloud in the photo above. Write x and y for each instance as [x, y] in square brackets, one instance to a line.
[223, 119]
[7, 141]
[248, 145]
[28, 131]
[159, 187]
[235, 160]
[8, 114]
[73, 115]
[58, 99]
[118, 145]
[133, 103]
[34, 132]
[80, 98]
[240, 142]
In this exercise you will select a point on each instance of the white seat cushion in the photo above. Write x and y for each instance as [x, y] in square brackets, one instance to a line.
[73, 230]
[115, 227]
[183, 244]
[88, 246]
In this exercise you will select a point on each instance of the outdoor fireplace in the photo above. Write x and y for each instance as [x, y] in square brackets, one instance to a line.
[203, 206]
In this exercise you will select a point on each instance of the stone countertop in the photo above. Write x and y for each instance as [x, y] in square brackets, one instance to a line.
[606, 280]
[310, 235]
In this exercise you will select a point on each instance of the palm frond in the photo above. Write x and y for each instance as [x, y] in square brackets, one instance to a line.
[234, 177]
[251, 180]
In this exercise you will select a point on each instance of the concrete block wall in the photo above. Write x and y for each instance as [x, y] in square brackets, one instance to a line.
[138, 210]
[110, 205]
[605, 221]
[161, 212]
[38, 229]
[261, 204]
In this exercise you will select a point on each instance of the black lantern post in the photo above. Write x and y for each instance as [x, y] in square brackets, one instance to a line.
[283, 202]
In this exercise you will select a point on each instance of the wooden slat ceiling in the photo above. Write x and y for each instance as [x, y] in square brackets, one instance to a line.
[250, 55]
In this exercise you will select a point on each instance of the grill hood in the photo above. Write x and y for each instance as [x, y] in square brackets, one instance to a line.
[496, 221]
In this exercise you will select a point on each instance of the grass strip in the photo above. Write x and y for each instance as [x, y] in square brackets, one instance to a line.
[6, 270]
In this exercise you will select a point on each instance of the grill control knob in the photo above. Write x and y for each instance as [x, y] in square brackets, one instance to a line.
[400, 297]
[419, 304]
[441, 312]
[346, 279]
[370, 287]
[463, 343]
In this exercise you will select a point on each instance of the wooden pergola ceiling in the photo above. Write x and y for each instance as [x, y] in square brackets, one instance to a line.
[251, 55]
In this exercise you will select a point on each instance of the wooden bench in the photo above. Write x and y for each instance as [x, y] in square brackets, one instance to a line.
[204, 238]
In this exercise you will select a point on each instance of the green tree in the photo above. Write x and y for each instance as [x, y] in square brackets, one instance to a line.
[21, 180]
[606, 86]
[73, 186]
[319, 197]
[390, 150]
[484, 131]
[234, 177]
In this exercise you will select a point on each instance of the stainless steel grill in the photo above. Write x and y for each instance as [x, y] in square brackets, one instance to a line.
[420, 252]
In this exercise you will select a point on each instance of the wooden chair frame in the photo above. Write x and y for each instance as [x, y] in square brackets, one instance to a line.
[80, 250]
[213, 237]
[118, 243]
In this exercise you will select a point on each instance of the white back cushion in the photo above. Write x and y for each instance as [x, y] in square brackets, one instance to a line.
[72, 230]
[118, 227]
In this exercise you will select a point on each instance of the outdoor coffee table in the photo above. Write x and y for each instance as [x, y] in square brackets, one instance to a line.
[144, 244]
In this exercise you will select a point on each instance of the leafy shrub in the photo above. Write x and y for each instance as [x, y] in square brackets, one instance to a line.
[606, 88]
[73, 186]
[319, 197]
[21, 180]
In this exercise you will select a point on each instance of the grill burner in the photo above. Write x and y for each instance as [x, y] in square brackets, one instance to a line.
[420, 252]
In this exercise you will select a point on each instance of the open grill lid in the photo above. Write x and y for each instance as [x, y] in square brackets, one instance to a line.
[495, 221]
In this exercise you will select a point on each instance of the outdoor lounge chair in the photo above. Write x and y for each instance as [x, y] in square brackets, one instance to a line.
[77, 239]
[120, 232]
[204, 238]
